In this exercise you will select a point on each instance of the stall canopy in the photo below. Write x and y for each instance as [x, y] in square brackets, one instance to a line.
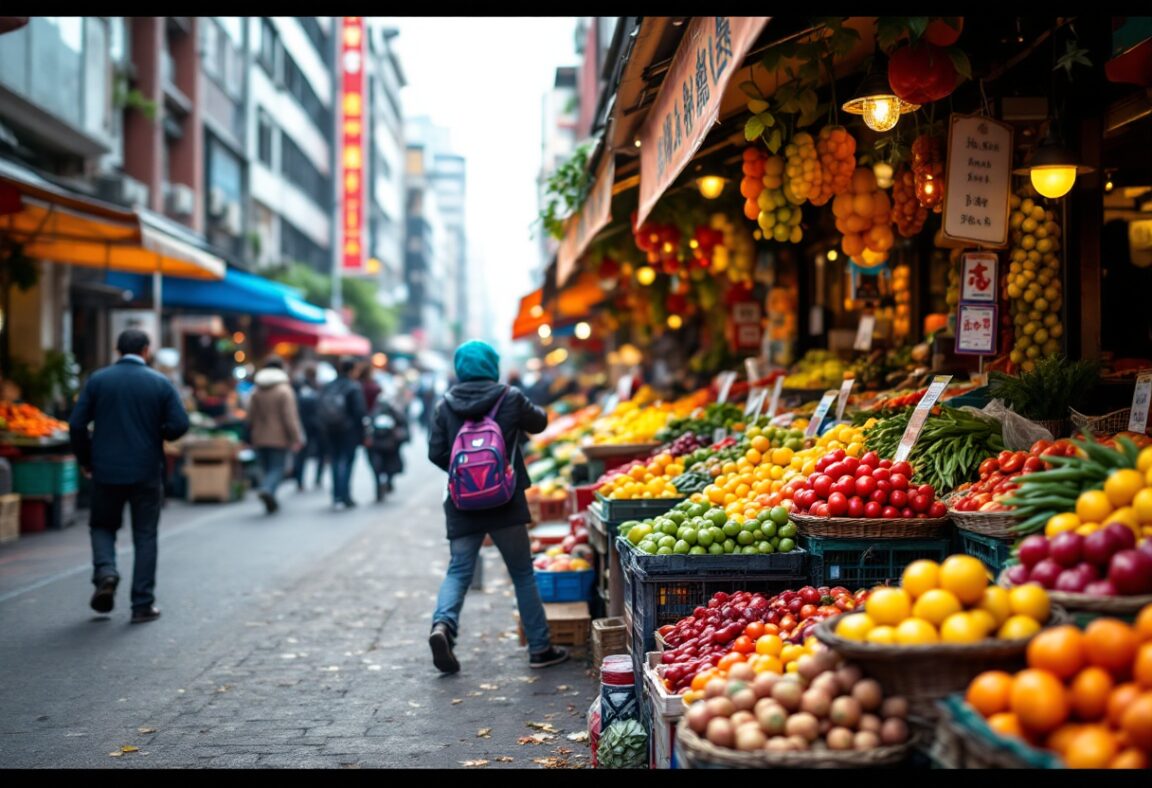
[330, 338]
[63, 226]
[530, 316]
[237, 292]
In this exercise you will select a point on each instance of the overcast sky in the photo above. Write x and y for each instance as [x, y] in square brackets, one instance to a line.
[484, 78]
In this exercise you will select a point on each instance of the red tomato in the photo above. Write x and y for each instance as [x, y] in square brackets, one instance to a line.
[837, 504]
[920, 503]
[822, 485]
[1039, 446]
[865, 485]
[879, 496]
[941, 31]
[938, 509]
[927, 489]
[907, 512]
[730, 659]
[787, 623]
[820, 510]
[755, 630]
[771, 629]
[988, 466]
[1012, 464]
[872, 509]
[898, 498]
[871, 459]
[851, 464]
[881, 474]
[899, 481]
[744, 644]
[902, 468]
[863, 471]
[889, 512]
[1033, 464]
[855, 506]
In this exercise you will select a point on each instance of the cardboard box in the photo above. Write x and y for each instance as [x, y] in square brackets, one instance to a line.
[9, 518]
[209, 481]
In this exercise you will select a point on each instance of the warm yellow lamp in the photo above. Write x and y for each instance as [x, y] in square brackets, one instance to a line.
[710, 186]
[675, 322]
[583, 330]
[646, 275]
[1053, 169]
[880, 107]
[544, 331]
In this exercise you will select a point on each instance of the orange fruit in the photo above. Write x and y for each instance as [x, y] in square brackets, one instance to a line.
[855, 627]
[1089, 693]
[889, 606]
[916, 632]
[1030, 600]
[1143, 624]
[990, 692]
[1059, 523]
[770, 645]
[1137, 721]
[997, 603]
[935, 605]
[1142, 667]
[1122, 485]
[1018, 628]
[1039, 701]
[1006, 724]
[1093, 747]
[1130, 758]
[965, 577]
[1060, 738]
[985, 620]
[920, 576]
[1111, 644]
[761, 444]
[1142, 505]
[962, 628]
[1059, 650]
[884, 635]
[1093, 506]
[1119, 701]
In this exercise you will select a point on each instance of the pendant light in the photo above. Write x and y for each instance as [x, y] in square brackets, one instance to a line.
[1053, 168]
[875, 100]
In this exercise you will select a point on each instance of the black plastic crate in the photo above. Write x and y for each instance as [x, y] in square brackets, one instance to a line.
[992, 551]
[639, 509]
[864, 563]
[646, 565]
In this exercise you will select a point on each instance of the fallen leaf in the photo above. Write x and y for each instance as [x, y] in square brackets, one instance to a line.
[498, 698]
[489, 686]
[457, 701]
[129, 748]
[146, 730]
[480, 762]
[543, 726]
[563, 751]
[475, 694]
[287, 656]
[116, 754]
[223, 688]
[535, 738]
[551, 762]
[503, 759]
[578, 736]
[375, 667]
[484, 733]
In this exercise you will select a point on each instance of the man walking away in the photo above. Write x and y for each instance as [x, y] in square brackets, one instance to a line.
[274, 427]
[316, 441]
[479, 399]
[134, 409]
[342, 412]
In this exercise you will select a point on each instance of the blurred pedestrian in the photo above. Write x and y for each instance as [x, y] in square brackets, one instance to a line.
[274, 425]
[134, 409]
[308, 390]
[342, 413]
[479, 396]
[387, 434]
[370, 386]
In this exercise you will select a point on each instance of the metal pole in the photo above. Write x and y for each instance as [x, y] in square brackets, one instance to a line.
[337, 299]
[158, 303]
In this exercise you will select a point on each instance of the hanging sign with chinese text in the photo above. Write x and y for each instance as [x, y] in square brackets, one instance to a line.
[746, 326]
[920, 416]
[711, 51]
[978, 278]
[352, 142]
[978, 181]
[1138, 419]
[976, 326]
[593, 216]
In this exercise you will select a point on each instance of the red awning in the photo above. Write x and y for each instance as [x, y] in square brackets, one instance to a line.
[331, 338]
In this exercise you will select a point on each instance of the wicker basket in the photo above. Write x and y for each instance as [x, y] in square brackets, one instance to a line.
[994, 524]
[924, 674]
[1087, 603]
[964, 740]
[694, 752]
[1060, 428]
[870, 528]
[1116, 421]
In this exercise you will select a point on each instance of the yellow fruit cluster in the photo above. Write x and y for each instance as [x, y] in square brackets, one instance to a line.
[778, 219]
[736, 256]
[1034, 284]
[949, 602]
[802, 168]
[901, 281]
[653, 480]
[1126, 498]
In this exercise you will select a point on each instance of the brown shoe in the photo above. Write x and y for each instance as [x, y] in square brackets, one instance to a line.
[144, 615]
[104, 598]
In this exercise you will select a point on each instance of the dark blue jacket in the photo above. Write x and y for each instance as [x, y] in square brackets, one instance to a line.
[135, 409]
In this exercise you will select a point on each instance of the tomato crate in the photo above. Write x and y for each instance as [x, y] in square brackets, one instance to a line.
[46, 476]
[565, 586]
[863, 563]
[992, 551]
[645, 565]
[639, 509]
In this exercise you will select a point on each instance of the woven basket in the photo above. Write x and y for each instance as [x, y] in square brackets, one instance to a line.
[694, 752]
[1087, 603]
[963, 740]
[1116, 421]
[1060, 428]
[994, 524]
[870, 528]
[924, 674]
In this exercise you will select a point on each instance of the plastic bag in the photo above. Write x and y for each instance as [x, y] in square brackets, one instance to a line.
[1019, 433]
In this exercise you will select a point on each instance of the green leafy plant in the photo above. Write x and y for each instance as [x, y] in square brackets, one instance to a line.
[124, 96]
[565, 190]
[1048, 391]
[370, 318]
[56, 380]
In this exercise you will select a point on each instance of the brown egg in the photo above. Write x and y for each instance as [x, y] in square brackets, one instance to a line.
[839, 739]
[720, 732]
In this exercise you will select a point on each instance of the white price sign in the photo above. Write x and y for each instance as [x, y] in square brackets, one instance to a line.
[864, 333]
[775, 397]
[1138, 420]
[752, 368]
[978, 278]
[978, 180]
[842, 402]
[755, 403]
[976, 326]
[821, 412]
[920, 415]
[725, 380]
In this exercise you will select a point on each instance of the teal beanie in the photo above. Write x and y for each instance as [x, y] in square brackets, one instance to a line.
[476, 360]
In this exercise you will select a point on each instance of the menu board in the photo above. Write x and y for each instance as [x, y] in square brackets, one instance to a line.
[978, 181]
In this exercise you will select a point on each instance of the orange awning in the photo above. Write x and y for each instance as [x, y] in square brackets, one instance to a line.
[580, 296]
[531, 315]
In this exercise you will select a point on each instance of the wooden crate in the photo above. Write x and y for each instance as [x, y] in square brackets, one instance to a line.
[569, 622]
[9, 517]
[609, 636]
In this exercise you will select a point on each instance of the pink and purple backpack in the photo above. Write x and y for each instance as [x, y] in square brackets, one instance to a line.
[480, 474]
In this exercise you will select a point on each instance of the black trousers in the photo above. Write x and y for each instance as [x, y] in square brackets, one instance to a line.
[144, 501]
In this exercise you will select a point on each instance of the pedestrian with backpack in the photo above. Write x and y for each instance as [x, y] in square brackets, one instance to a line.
[274, 426]
[342, 415]
[475, 437]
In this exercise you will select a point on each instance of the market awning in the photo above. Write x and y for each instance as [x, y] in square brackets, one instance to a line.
[63, 226]
[592, 217]
[578, 298]
[531, 315]
[330, 338]
[236, 292]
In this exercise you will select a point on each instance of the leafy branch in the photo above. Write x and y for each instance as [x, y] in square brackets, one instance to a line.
[565, 190]
[1073, 55]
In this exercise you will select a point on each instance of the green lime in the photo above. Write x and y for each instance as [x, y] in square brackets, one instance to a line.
[795, 444]
[745, 538]
[718, 517]
[697, 550]
[639, 532]
[775, 542]
[731, 528]
[769, 528]
[648, 546]
[729, 546]
[677, 517]
[715, 549]
[697, 510]
[664, 551]
[666, 541]
[765, 547]
[788, 531]
[670, 528]
[750, 525]
[765, 514]
[690, 535]
[787, 545]
[779, 515]
[758, 535]
[750, 550]
[718, 534]
[704, 537]
[681, 547]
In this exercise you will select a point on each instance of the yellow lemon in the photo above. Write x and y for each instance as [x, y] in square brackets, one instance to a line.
[884, 635]
[1144, 461]
[1059, 523]
[1093, 506]
[1142, 506]
[965, 576]
[889, 606]
[1030, 600]
[1018, 627]
[916, 632]
[997, 603]
[1122, 485]
[855, 627]
[961, 628]
[920, 576]
[935, 605]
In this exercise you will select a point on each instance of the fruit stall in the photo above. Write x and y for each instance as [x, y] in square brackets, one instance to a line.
[43, 478]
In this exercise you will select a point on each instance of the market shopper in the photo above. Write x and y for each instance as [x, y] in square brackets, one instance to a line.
[274, 427]
[479, 394]
[133, 410]
[371, 387]
[342, 415]
[387, 434]
[308, 390]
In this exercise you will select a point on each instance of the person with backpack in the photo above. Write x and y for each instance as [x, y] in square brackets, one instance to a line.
[342, 415]
[316, 440]
[474, 437]
[274, 425]
[387, 433]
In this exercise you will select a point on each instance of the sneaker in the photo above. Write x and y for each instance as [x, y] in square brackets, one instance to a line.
[144, 615]
[546, 659]
[441, 642]
[104, 598]
[270, 505]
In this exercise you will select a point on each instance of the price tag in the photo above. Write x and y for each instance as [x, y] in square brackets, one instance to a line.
[610, 404]
[845, 390]
[755, 403]
[1138, 421]
[864, 333]
[725, 381]
[775, 397]
[976, 326]
[624, 388]
[821, 411]
[920, 415]
[719, 434]
[752, 368]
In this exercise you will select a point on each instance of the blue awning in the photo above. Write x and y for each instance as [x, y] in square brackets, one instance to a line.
[236, 292]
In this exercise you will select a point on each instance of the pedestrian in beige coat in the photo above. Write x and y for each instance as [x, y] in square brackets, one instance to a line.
[274, 427]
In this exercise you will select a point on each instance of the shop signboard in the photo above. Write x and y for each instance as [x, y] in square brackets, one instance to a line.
[976, 326]
[920, 416]
[978, 278]
[978, 181]
[352, 139]
[746, 325]
[593, 216]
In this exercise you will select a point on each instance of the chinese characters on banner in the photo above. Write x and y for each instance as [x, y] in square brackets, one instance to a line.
[593, 217]
[978, 278]
[978, 181]
[352, 142]
[976, 329]
[711, 51]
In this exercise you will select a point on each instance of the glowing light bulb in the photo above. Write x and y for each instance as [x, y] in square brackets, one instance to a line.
[1053, 181]
[646, 275]
[544, 331]
[583, 330]
[675, 322]
[881, 113]
[710, 186]
[883, 172]
[833, 255]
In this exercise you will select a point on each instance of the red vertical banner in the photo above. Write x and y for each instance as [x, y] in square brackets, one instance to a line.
[352, 142]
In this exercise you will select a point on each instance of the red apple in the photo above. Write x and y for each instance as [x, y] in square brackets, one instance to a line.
[1046, 573]
[1100, 588]
[1065, 548]
[1131, 572]
[1123, 534]
[1100, 546]
[1018, 574]
[1033, 550]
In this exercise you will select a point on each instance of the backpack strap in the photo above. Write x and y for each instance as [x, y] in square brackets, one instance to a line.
[496, 408]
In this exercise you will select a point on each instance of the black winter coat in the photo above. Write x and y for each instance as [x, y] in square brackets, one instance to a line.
[517, 414]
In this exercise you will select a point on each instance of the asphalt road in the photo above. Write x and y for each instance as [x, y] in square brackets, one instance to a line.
[296, 640]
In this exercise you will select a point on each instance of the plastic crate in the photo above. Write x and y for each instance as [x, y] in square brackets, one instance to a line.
[639, 509]
[34, 515]
[863, 563]
[548, 511]
[792, 564]
[582, 496]
[565, 586]
[46, 476]
[976, 398]
[992, 551]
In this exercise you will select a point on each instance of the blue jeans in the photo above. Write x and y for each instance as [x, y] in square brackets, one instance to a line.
[271, 468]
[144, 501]
[516, 550]
[343, 456]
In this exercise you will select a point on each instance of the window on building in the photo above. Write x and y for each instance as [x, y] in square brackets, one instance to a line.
[233, 27]
[296, 246]
[300, 171]
[269, 43]
[210, 47]
[57, 44]
[298, 86]
[316, 35]
[224, 170]
[265, 133]
[97, 77]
